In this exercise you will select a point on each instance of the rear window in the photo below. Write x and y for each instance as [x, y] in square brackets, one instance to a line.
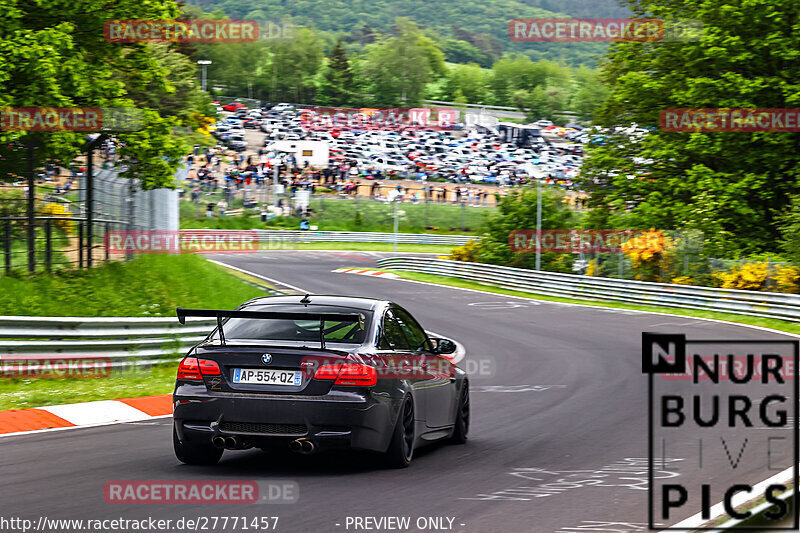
[302, 331]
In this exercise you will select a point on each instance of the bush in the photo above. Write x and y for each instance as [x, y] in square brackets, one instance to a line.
[517, 211]
[58, 210]
[748, 277]
[787, 279]
[594, 268]
[467, 252]
[683, 280]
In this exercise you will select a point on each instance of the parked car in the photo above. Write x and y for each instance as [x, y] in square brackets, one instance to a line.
[233, 106]
[237, 142]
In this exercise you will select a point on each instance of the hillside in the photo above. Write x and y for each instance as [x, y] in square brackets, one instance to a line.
[483, 25]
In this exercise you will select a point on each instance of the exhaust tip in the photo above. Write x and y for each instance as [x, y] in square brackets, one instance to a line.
[308, 446]
[295, 445]
[218, 442]
[230, 442]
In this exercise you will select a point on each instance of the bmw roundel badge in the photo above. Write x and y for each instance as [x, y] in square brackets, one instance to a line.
[266, 358]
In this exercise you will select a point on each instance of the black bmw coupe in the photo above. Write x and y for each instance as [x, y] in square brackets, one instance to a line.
[316, 373]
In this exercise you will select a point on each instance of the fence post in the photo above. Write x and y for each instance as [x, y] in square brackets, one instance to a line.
[48, 246]
[31, 233]
[7, 246]
[89, 204]
[80, 244]
[105, 240]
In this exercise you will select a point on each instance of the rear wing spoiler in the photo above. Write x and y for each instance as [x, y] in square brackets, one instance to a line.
[219, 314]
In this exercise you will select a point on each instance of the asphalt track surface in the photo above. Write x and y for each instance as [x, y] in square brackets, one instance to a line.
[565, 393]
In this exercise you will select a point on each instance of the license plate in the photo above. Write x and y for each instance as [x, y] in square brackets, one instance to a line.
[292, 378]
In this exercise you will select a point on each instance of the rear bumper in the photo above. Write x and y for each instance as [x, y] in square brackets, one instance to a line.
[337, 420]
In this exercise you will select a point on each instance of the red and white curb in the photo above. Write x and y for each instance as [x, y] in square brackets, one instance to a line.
[366, 272]
[73, 415]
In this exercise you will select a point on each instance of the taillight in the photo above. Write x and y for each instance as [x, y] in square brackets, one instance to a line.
[327, 372]
[349, 374]
[357, 374]
[194, 369]
[209, 368]
[189, 369]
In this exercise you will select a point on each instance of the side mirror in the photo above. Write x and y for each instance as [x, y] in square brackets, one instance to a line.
[445, 346]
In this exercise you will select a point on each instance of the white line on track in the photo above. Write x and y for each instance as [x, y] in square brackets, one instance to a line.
[265, 278]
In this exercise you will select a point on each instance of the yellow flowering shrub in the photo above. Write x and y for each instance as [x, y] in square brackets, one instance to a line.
[58, 210]
[594, 268]
[787, 279]
[748, 277]
[467, 252]
[650, 252]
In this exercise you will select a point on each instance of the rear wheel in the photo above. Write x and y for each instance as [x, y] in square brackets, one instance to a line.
[462, 417]
[401, 449]
[195, 453]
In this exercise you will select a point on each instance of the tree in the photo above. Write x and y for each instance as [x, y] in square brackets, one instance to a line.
[790, 230]
[731, 186]
[177, 94]
[470, 81]
[517, 211]
[457, 51]
[338, 80]
[292, 64]
[53, 53]
[588, 93]
[399, 67]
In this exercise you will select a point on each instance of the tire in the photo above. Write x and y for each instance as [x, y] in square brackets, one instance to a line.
[401, 448]
[462, 417]
[195, 453]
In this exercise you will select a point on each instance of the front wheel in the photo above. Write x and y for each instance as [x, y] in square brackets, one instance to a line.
[462, 417]
[401, 449]
[195, 453]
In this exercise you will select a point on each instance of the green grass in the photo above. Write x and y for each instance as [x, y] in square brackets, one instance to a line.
[150, 285]
[335, 214]
[19, 250]
[27, 393]
[780, 325]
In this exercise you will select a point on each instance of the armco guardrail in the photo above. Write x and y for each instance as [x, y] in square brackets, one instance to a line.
[761, 304]
[279, 236]
[116, 338]
[120, 339]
